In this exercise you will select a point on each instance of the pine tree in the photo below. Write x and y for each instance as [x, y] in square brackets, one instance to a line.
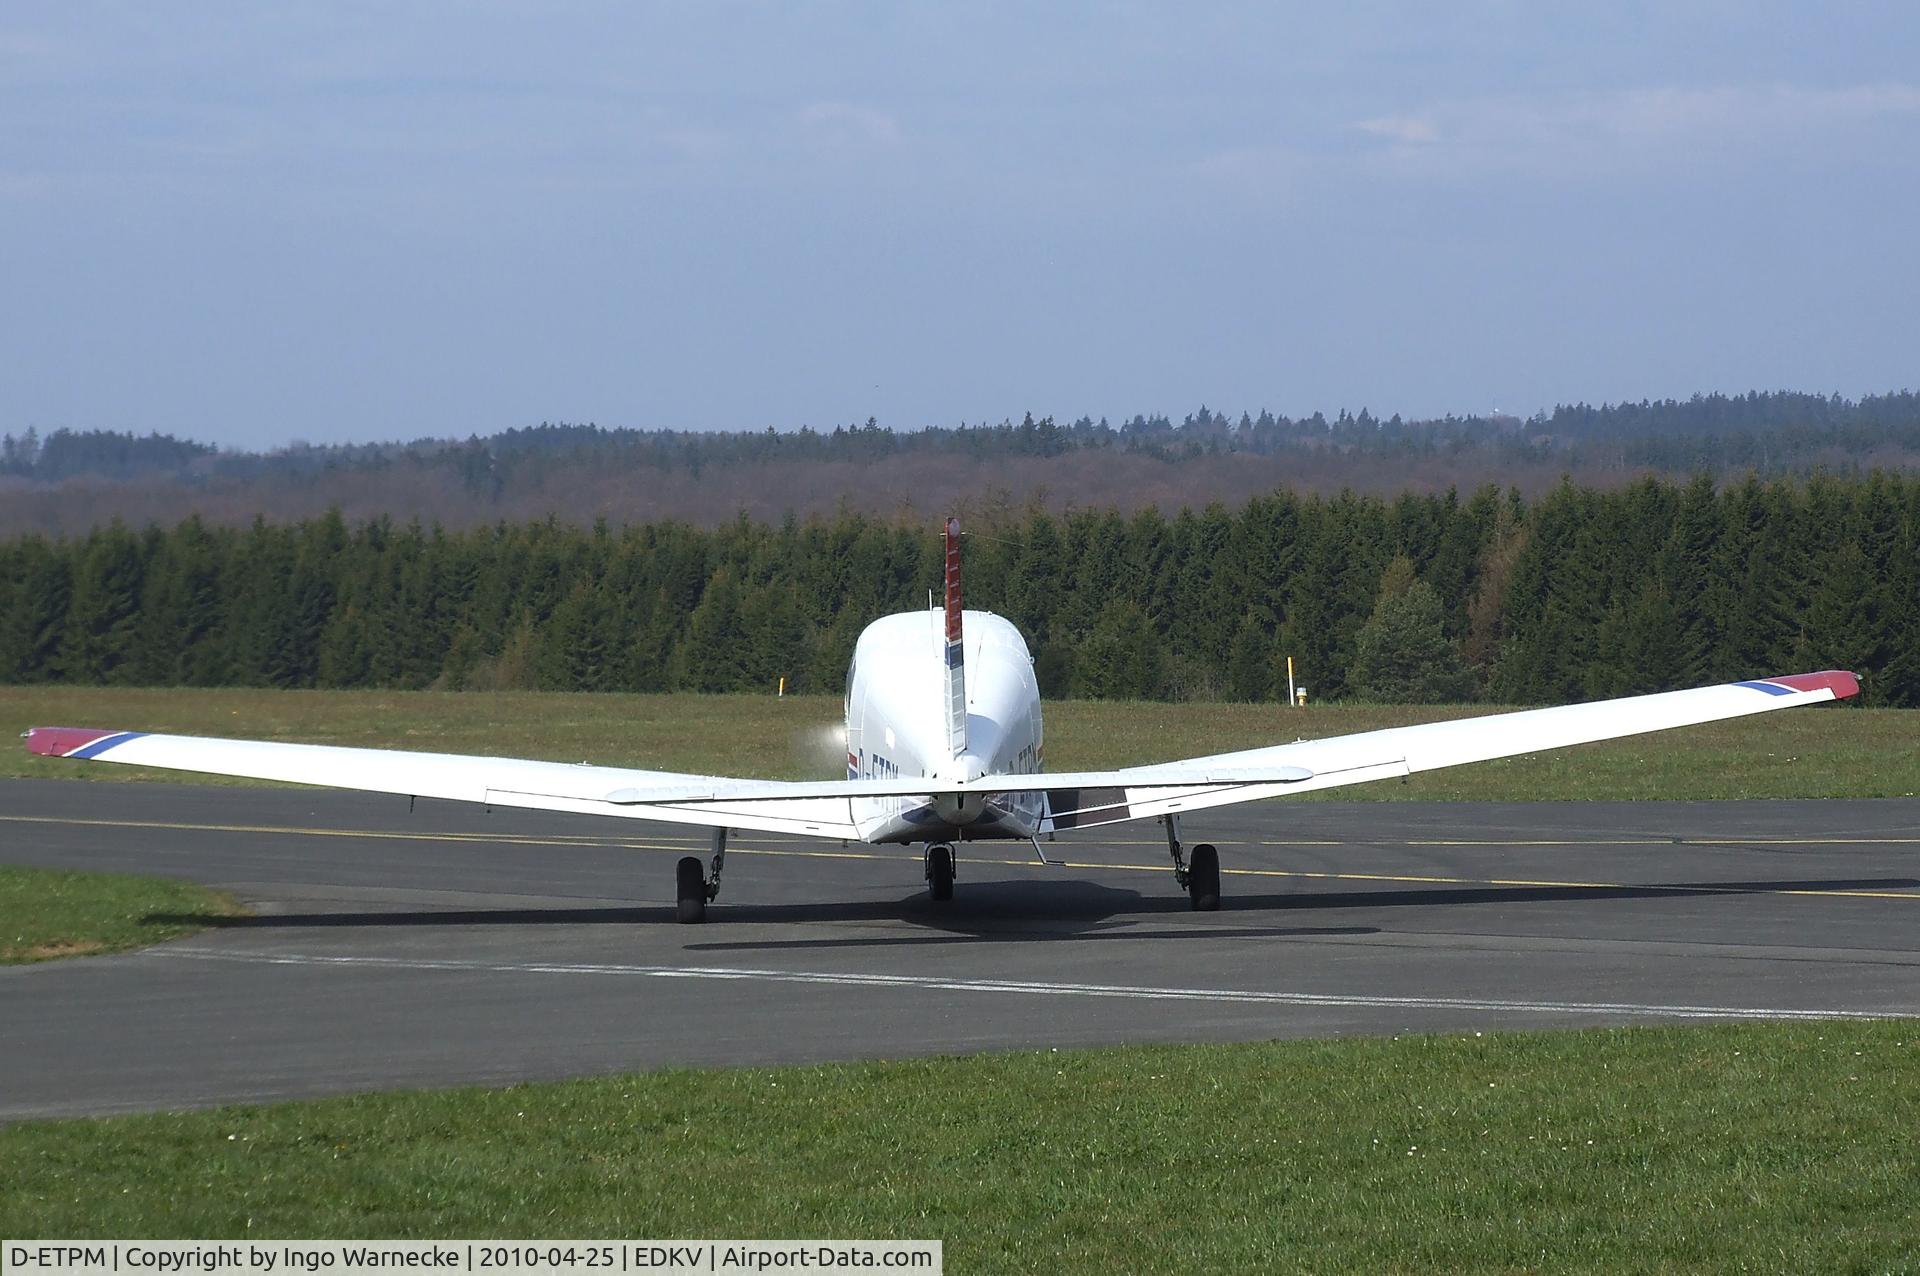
[1122, 659]
[1557, 596]
[1900, 678]
[1307, 630]
[1764, 552]
[575, 651]
[103, 615]
[773, 639]
[1840, 630]
[33, 625]
[1486, 608]
[1640, 645]
[1701, 604]
[1402, 655]
[465, 654]
[345, 657]
[195, 559]
[1250, 664]
[831, 656]
[712, 649]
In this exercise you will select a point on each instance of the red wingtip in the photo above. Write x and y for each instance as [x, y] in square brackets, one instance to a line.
[58, 742]
[1839, 681]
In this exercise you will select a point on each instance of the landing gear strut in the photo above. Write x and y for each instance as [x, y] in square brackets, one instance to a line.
[1199, 876]
[940, 871]
[693, 887]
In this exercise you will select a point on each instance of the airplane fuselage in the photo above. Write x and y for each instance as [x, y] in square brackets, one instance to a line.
[896, 728]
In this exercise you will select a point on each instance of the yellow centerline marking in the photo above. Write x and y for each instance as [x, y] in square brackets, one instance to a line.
[587, 842]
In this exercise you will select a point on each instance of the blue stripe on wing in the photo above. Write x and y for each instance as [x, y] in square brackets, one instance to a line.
[1771, 688]
[99, 747]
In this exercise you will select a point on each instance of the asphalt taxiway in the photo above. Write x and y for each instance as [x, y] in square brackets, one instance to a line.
[449, 945]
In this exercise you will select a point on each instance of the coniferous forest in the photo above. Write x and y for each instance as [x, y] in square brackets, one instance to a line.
[1580, 593]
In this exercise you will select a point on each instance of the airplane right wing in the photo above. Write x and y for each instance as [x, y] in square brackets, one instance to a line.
[1135, 793]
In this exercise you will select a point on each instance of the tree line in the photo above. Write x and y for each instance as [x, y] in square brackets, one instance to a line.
[67, 482]
[1580, 593]
[1765, 431]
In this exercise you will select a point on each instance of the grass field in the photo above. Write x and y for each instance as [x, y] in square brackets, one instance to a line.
[47, 913]
[1823, 752]
[1760, 1148]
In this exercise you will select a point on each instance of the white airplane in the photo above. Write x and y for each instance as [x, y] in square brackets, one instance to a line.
[944, 745]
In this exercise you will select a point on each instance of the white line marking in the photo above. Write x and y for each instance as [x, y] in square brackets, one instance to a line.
[1031, 987]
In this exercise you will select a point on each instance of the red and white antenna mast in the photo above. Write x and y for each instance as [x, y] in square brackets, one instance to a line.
[956, 649]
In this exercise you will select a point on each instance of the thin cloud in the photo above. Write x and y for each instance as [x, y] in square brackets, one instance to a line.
[1629, 127]
[24, 185]
[847, 124]
[697, 142]
[1411, 130]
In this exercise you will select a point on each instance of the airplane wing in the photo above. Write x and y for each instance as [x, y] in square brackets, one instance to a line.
[825, 808]
[765, 805]
[1145, 792]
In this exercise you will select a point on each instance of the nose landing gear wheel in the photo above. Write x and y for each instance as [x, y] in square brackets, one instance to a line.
[940, 872]
[1203, 878]
[691, 880]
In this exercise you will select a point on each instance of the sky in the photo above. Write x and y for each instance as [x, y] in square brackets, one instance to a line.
[253, 224]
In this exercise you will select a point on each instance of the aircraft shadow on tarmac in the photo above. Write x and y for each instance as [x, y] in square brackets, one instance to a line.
[1026, 911]
[982, 912]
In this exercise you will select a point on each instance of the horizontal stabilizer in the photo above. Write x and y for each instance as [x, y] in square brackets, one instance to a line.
[1170, 776]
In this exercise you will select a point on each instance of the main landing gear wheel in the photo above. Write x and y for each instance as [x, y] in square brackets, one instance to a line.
[1198, 877]
[1203, 878]
[940, 872]
[693, 887]
[691, 880]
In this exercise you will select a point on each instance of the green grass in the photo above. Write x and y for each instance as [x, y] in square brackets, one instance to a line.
[1750, 1147]
[1825, 752]
[47, 913]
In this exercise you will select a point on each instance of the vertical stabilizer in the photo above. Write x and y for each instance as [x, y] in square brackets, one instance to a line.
[956, 649]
